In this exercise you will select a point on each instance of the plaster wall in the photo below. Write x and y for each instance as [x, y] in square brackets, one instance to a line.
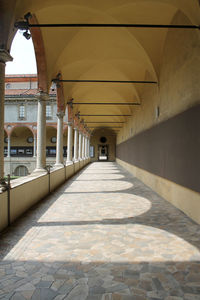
[185, 199]
[3, 211]
[12, 111]
[25, 195]
[178, 91]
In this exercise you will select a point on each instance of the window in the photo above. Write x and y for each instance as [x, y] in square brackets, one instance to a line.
[22, 111]
[29, 151]
[48, 111]
[51, 151]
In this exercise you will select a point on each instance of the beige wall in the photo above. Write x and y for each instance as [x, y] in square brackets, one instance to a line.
[3, 211]
[111, 142]
[185, 199]
[178, 90]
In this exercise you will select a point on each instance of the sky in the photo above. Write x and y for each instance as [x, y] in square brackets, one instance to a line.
[23, 55]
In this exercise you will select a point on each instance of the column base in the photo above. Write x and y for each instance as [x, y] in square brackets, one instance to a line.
[39, 170]
[69, 163]
[59, 165]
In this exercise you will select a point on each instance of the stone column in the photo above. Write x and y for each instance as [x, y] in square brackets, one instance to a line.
[59, 141]
[8, 154]
[86, 147]
[83, 147]
[34, 144]
[75, 144]
[41, 133]
[4, 57]
[69, 143]
[80, 146]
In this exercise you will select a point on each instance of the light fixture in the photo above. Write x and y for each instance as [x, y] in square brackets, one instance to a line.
[27, 35]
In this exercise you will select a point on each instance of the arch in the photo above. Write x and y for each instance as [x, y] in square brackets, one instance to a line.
[14, 126]
[40, 56]
[22, 141]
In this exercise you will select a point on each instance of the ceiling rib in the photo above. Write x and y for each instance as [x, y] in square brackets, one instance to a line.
[106, 103]
[25, 25]
[105, 115]
[105, 122]
[55, 80]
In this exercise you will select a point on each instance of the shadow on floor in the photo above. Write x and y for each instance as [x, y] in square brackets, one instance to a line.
[162, 215]
[77, 280]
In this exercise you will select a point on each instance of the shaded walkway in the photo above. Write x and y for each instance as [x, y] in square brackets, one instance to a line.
[103, 235]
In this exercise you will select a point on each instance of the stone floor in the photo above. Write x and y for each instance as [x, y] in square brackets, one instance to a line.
[103, 235]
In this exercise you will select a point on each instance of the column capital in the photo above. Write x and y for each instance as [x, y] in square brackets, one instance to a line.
[69, 123]
[5, 56]
[60, 114]
[42, 96]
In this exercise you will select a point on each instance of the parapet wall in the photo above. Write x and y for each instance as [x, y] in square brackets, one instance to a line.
[27, 191]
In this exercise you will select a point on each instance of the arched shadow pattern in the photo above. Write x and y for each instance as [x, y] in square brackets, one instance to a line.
[123, 244]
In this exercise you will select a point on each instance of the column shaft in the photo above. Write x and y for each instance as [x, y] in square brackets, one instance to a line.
[75, 144]
[69, 143]
[4, 57]
[83, 147]
[41, 133]
[59, 142]
[80, 146]
[34, 145]
[8, 154]
[86, 147]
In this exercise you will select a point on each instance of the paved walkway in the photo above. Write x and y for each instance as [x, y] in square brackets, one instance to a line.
[103, 235]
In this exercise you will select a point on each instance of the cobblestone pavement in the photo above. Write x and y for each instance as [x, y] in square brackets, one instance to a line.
[103, 235]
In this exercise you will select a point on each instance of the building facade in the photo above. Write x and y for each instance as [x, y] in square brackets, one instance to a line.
[20, 129]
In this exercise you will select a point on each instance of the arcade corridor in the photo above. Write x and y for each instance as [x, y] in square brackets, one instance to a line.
[103, 235]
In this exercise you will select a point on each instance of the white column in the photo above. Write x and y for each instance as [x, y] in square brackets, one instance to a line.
[80, 146]
[75, 144]
[4, 57]
[8, 154]
[69, 143]
[41, 132]
[86, 147]
[83, 147]
[34, 144]
[59, 141]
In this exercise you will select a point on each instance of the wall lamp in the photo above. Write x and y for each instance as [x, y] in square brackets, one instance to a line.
[27, 35]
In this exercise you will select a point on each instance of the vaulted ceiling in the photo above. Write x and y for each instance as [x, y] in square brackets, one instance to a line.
[114, 54]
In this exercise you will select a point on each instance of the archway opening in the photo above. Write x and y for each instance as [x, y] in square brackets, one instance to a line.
[22, 142]
[21, 171]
